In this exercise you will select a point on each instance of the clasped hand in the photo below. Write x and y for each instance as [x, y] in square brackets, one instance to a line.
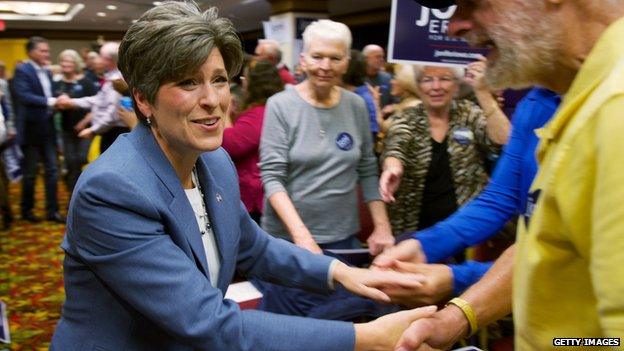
[64, 102]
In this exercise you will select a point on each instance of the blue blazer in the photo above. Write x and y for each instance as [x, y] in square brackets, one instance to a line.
[135, 270]
[33, 117]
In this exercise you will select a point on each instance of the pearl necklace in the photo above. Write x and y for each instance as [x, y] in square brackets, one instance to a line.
[202, 216]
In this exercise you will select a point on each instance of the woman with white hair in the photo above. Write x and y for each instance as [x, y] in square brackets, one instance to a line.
[316, 148]
[74, 84]
[434, 154]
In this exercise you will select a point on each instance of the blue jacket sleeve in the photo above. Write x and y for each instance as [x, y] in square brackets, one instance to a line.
[467, 273]
[504, 196]
[485, 215]
[118, 233]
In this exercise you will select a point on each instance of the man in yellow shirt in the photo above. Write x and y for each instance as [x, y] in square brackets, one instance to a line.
[568, 272]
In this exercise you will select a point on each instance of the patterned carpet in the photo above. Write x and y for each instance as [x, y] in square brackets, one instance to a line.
[31, 281]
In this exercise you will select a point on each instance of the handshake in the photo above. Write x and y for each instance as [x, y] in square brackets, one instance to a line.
[399, 275]
[64, 102]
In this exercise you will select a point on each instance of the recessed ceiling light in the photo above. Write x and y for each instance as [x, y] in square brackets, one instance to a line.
[33, 8]
[111, 7]
[101, 14]
[38, 11]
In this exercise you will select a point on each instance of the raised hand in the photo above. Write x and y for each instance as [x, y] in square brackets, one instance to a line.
[475, 74]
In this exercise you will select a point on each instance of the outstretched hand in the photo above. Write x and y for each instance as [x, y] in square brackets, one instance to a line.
[437, 332]
[437, 286]
[408, 250]
[389, 182]
[370, 283]
[383, 333]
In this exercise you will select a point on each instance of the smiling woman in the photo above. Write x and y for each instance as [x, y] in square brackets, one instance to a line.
[435, 152]
[156, 229]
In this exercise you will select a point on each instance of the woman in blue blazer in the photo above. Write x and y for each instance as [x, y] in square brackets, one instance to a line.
[156, 228]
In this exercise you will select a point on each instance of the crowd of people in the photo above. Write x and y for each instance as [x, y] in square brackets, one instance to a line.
[194, 183]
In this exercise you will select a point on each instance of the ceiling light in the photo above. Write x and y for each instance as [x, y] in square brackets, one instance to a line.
[111, 7]
[38, 11]
[33, 8]
[101, 14]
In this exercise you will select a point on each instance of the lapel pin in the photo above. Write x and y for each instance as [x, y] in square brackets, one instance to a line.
[219, 198]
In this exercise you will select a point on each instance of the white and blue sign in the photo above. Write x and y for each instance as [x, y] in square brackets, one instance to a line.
[344, 141]
[418, 36]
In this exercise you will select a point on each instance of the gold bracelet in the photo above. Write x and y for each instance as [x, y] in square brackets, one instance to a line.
[468, 312]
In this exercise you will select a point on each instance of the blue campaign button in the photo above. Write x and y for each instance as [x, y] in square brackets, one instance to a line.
[463, 136]
[532, 198]
[344, 141]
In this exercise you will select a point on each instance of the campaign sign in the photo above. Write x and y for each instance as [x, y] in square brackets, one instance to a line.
[418, 35]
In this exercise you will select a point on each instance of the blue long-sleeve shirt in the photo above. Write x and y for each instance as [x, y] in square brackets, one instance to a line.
[504, 197]
[362, 91]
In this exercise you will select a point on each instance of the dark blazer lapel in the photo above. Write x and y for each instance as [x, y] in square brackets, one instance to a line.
[220, 212]
[33, 75]
[179, 206]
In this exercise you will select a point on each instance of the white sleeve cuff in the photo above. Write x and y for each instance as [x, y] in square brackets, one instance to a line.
[330, 274]
[51, 101]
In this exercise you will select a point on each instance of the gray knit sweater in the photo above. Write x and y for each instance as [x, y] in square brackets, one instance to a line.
[318, 156]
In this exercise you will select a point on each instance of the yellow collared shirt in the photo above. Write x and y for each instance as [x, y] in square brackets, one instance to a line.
[569, 271]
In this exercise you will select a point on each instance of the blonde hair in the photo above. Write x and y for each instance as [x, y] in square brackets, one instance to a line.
[73, 54]
[405, 74]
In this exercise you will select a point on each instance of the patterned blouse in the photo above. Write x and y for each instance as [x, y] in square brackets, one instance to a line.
[409, 140]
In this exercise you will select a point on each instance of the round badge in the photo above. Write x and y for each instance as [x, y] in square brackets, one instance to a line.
[344, 141]
[463, 136]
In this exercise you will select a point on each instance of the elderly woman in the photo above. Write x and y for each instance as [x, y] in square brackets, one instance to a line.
[156, 228]
[316, 148]
[438, 149]
[242, 139]
[74, 84]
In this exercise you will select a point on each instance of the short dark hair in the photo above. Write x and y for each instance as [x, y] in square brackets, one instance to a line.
[172, 40]
[263, 81]
[356, 70]
[32, 43]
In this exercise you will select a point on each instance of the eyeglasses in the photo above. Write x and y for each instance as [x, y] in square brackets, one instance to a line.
[428, 81]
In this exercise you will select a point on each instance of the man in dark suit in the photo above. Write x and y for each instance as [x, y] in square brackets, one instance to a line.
[35, 128]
